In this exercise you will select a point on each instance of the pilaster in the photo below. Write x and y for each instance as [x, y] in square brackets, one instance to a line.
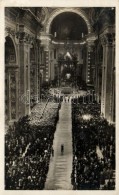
[12, 93]
[107, 75]
[90, 63]
[24, 60]
[45, 41]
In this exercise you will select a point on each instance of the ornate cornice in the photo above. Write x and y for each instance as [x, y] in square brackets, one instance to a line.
[25, 37]
[22, 37]
[10, 31]
[90, 38]
[11, 66]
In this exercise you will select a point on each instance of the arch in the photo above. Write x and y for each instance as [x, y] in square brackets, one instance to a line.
[62, 10]
[9, 36]
[11, 84]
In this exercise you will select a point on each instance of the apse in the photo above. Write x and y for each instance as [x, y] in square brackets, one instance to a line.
[68, 25]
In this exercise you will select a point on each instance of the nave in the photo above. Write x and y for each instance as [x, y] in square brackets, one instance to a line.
[60, 168]
[87, 161]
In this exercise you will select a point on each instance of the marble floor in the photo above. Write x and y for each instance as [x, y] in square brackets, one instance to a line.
[60, 168]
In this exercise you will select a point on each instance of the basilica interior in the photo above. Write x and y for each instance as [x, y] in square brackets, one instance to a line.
[60, 94]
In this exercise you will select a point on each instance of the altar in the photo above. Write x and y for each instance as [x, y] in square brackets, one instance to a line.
[67, 70]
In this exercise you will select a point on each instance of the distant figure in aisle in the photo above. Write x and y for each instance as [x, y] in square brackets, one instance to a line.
[62, 149]
[52, 151]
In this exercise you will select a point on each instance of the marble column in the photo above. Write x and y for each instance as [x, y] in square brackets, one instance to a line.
[46, 43]
[98, 71]
[88, 64]
[47, 63]
[36, 74]
[24, 61]
[17, 93]
[39, 75]
[84, 68]
[107, 76]
[37, 70]
[9, 97]
[103, 80]
[113, 86]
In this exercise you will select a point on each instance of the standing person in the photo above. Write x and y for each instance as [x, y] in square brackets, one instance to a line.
[52, 151]
[62, 148]
[65, 99]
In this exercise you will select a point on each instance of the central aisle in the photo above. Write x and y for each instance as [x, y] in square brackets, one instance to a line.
[60, 168]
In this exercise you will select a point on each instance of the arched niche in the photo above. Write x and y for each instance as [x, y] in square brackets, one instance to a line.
[58, 11]
[11, 81]
[68, 25]
[10, 51]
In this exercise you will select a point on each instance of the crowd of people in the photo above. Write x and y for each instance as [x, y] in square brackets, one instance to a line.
[86, 98]
[93, 149]
[28, 147]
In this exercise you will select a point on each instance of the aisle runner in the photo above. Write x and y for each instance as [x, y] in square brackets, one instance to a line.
[59, 175]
